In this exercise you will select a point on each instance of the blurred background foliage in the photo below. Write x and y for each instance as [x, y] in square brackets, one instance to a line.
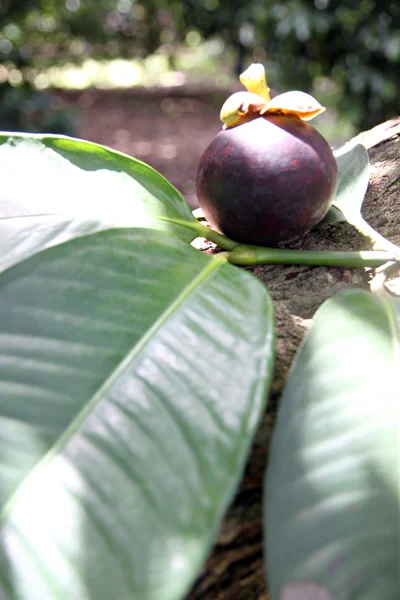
[346, 52]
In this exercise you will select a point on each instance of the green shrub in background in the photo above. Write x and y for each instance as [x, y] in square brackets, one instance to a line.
[353, 48]
[21, 106]
[350, 50]
[26, 108]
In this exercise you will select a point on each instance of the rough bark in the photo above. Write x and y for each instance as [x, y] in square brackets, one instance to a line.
[235, 569]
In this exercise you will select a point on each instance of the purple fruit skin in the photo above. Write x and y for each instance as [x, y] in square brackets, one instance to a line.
[268, 181]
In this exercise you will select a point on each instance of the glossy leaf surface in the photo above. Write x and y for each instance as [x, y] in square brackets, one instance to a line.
[353, 176]
[70, 187]
[332, 486]
[133, 372]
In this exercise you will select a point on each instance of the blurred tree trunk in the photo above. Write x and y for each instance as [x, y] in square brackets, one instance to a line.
[235, 569]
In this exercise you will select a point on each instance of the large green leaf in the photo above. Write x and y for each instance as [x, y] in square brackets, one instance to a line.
[353, 176]
[46, 174]
[133, 372]
[332, 486]
[21, 237]
[64, 187]
[353, 168]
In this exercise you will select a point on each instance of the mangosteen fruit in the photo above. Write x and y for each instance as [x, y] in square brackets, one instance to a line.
[268, 180]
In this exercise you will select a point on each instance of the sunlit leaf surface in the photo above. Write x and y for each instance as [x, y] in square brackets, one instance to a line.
[133, 372]
[353, 176]
[332, 487]
[63, 188]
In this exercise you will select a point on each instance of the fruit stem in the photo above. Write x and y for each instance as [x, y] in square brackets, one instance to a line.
[254, 255]
[241, 254]
[217, 238]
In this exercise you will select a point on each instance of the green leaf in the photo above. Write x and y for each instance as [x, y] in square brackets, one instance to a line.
[332, 486]
[21, 237]
[353, 176]
[68, 176]
[133, 373]
[334, 215]
[65, 179]
[353, 170]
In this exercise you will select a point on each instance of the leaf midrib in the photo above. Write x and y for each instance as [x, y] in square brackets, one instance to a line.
[215, 263]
